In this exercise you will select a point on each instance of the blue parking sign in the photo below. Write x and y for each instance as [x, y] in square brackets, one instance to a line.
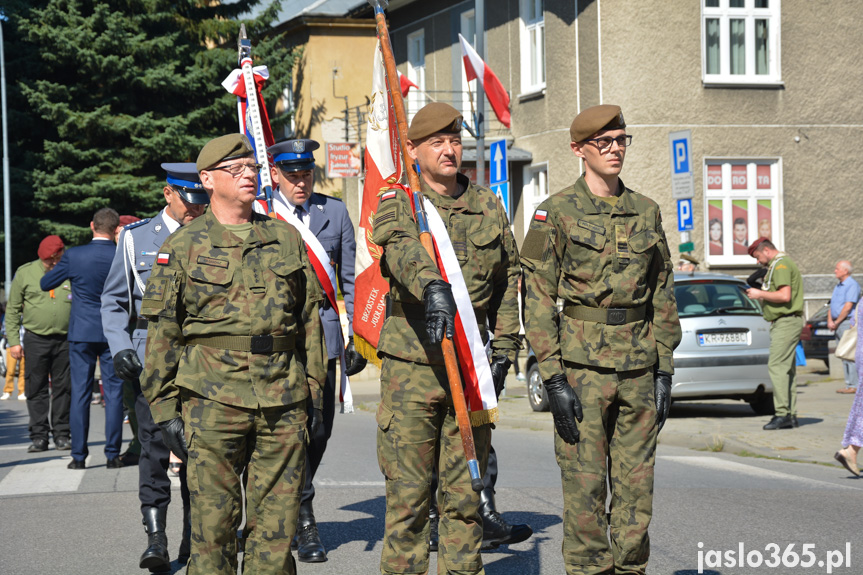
[681, 155]
[684, 215]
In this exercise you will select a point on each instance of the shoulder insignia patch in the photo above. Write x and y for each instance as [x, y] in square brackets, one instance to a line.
[540, 216]
[389, 195]
[134, 225]
[163, 258]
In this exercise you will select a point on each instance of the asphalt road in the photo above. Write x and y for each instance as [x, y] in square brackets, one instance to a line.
[56, 521]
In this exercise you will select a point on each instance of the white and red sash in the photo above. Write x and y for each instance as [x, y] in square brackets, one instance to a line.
[326, 275]
[473, 360]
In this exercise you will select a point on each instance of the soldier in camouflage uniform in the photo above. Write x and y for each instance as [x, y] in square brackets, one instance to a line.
[606, 361]
[416, 418]
[235, 350]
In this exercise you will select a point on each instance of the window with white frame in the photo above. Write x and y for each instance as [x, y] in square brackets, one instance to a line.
[416, 72]
[535, 190]
[740, 41]
[743, 201]
[532, 46]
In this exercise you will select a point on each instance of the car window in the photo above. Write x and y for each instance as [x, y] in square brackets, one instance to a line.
[713, 298]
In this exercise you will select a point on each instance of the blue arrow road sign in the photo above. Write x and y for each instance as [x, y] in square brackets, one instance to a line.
[502, 192]
[684, 215]
[497, 172]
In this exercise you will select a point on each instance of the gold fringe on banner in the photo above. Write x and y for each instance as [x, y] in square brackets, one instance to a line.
[367, 350]
[483, 417]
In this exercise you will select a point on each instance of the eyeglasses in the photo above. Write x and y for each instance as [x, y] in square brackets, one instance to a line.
[604, 144]
[236, 170]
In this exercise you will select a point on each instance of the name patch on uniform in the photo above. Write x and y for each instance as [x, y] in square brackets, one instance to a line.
[163, 259]
[592, 227]
[212, 262]
[540, 215]
[389, 195]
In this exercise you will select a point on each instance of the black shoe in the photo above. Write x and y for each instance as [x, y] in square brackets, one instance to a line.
[38, 445]
[77, 464]
[784, 422]
[495, 529]
[129, 459]
[62, 443]
[794, 422]
[155, 557]
[114, 463]
[310, 549]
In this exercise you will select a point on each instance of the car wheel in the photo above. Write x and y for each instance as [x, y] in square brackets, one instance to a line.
[763, 404]
[536, 393]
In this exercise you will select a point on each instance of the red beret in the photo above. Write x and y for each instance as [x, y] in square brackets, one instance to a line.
[126, 220]
[50, 246]
[755, 244]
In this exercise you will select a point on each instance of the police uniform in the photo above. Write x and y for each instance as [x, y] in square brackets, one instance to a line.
[608, 260]
[137, 248]
[235, 351]
[415, 417]
[328, 220]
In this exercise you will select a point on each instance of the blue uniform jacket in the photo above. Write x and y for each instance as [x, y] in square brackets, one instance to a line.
[121, 289]
[329, 221]
[86, 267]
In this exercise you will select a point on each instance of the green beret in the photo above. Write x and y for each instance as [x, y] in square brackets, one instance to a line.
[433, 118]
[596, 119]
[223, 148]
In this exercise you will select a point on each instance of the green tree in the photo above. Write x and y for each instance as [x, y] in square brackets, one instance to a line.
[124, 85]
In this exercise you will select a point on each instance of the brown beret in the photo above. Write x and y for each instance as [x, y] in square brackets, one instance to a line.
[689, 258]
[433, 118]
[126, 220]
[223, 148]
[755, 245]
[50, 246]
[595, 119]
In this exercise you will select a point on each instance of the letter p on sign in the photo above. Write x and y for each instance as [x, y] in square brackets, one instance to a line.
[681, 157]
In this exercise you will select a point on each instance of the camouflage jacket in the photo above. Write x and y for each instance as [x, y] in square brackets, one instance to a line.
[592, 253]
[209, 282]
[486, 250]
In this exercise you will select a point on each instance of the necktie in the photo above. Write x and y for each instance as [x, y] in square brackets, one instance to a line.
[299, 211]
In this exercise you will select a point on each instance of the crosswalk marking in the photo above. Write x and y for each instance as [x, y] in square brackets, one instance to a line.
[720, 464]
[50, 476]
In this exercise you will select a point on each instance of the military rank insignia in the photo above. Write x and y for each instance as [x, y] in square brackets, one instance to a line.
[540, 215]
[163, 259]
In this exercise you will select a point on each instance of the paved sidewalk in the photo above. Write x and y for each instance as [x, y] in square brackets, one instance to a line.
[717, 425]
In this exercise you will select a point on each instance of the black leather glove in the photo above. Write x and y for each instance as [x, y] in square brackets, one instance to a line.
[316, 419]
[440, 310]
[174, 437]
[355, 362]
[565, 407]
[127, 366]
[662, 381]
[500, 365]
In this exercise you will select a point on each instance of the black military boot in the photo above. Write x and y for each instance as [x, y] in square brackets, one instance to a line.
[434, 519]
[186, 544]
[309, 546]
[155, 558]
[495, 530]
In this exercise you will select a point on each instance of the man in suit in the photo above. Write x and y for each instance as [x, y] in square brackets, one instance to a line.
[327, 219]
[86, 267]
[126, 331]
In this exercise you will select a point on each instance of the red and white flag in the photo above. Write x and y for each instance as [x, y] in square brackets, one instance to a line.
[383, 170]
[474, 67]
[405, 85]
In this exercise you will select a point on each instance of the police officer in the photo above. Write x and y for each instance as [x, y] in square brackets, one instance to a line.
[138, 246]
[606, 361]
[327, 218]
[235, 351]
[416, 416]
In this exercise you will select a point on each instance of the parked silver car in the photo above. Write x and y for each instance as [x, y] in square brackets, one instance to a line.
[724, 350]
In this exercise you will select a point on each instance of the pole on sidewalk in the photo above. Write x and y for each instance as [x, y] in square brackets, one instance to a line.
[479, 14]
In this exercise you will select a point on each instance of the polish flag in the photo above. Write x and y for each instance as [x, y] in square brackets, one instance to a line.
[405, 85]
[474, 67]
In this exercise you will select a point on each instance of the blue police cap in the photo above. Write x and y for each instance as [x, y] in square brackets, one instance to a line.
[184, 178]
[294, 155]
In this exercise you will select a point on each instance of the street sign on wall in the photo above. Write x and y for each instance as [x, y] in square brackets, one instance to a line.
[684, 215]
[680, 146]
[497, 170]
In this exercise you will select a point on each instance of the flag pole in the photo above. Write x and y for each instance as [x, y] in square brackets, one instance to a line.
[455, 384]
[479, 16]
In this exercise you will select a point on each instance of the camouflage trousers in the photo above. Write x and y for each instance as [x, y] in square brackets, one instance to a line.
[224, 441]
[416, 424]
[618, 444]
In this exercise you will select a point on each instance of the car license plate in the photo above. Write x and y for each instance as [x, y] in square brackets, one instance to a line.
[827, 332]
[723, 338]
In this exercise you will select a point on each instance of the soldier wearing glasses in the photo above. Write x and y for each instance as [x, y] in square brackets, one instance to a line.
[235, 352]
[606, 361]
